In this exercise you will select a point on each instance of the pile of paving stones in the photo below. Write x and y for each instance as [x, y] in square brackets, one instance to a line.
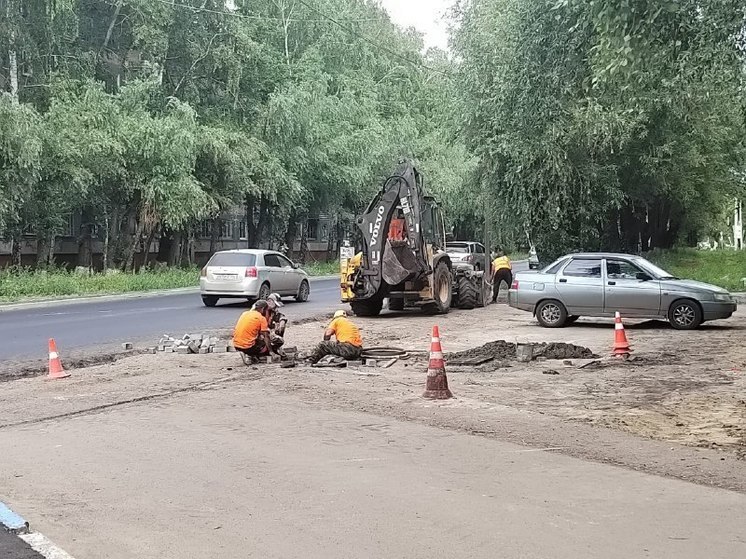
[191, 343]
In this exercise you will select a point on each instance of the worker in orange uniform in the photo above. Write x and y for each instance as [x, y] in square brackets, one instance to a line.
[348, 344]
[502, 271]
[251, 335]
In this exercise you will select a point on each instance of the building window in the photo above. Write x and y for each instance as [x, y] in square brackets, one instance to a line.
[228, 229]
[204, 231]
[313, 229]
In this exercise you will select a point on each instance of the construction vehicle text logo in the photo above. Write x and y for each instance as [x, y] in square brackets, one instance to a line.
[376, 227]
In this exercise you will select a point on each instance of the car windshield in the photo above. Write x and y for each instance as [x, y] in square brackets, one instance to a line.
[652, 269]
[232, 259]
[457, 248]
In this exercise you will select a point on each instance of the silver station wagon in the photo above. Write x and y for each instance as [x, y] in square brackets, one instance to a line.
[251, 274]
[600, 284]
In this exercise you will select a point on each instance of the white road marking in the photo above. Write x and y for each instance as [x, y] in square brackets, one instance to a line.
[43, 546]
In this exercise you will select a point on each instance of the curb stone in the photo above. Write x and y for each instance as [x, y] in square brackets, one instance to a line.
[11, 521]
[17, 526]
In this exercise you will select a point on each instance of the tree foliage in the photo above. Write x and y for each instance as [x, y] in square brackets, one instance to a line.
[615, 125]
[149, 116]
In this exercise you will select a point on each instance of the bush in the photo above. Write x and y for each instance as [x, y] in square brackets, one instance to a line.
[23, 283]
[725, 268]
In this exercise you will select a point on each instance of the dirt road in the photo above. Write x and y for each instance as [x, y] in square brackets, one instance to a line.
[232, 466]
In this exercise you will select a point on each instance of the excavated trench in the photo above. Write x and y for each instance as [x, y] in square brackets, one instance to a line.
[502, 350]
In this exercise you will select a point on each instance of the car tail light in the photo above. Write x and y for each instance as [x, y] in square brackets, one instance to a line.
[252, 272]
[514, 285]
[203, 272]
[469, 258]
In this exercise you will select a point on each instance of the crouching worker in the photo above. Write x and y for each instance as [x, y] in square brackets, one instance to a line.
[276, 320]
[251, 335]
[348, 344]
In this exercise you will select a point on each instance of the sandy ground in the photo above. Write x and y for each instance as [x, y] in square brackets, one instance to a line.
[681, 387]
[678, 409]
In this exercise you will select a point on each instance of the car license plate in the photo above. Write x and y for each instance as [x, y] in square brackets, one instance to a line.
[232, 277]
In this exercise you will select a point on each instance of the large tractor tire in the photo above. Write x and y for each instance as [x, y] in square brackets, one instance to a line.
[468, 294]
[442, 290]
[371, 307]
[396, 304]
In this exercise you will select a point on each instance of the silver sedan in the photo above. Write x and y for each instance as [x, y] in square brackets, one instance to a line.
[600, 284]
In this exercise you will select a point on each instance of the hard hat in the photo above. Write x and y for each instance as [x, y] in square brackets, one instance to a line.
[339, 313]
[276, 299]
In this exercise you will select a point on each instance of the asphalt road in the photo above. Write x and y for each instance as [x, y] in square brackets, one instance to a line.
[12, 547]
[104, 324]
[94, 323]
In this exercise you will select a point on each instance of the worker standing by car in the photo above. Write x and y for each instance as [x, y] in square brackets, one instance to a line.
[348, 344]
[251, 334]
[502, 270]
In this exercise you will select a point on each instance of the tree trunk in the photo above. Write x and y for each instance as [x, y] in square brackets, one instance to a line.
[114, 239]
[270, 229]
[85, 239]
[330, 241]
[16, 255]
[304, 241]
[262, 224]
[42, 251]
[174, 253]
[291, 232]
[129, 262]
[12, 59]
[148, 245]
[215, 230]
[250, 228]
[164, 245]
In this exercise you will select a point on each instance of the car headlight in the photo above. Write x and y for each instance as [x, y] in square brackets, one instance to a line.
[723, 297]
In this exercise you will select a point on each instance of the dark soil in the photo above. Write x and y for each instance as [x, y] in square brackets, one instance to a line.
[501, 349]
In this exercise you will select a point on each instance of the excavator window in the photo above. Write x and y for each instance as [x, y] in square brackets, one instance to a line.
[398, 227]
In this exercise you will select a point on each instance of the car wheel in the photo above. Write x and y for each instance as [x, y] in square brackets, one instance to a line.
[685, 314]
[551, 314]
[264, 292]
[209, 301]
[303, 292]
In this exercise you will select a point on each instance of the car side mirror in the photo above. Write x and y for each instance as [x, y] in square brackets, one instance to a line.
[296, 265]
[642, 276]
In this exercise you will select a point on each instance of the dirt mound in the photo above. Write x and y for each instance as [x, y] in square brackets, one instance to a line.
[562, 351]
[500, 349]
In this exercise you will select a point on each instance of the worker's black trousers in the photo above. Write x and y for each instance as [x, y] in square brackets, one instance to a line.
[344, 350]
[502, 275]
[260, 348]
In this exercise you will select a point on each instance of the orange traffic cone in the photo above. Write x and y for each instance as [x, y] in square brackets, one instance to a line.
[437, 381]
[55, 367]
[621, 344]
